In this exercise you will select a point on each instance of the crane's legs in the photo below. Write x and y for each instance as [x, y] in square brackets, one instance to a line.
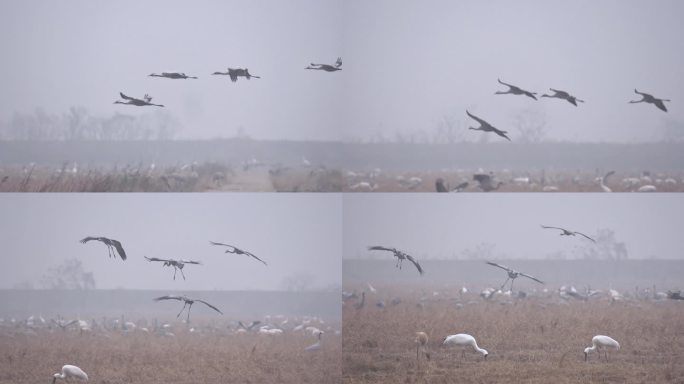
[187, 321]
[181, 311]
[174, 273]
[182, 274]
[512, 281]
[504, 284]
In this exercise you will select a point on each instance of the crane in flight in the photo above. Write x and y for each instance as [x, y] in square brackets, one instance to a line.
[512, 275]
[250, 325]
[486, 182]
[565, 232]
[563, 95]
[237, 251]
[70, 372]
[327, 67]
[177, 265]
[401, 256]
[512, 89]
[646, 98]
[113, 246]
[486, 127]
[146, 100]
[234, 73]
[172, 75]
[187, 302]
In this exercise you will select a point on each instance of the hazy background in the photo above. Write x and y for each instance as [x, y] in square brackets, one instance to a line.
[410, 68]
[507, 226]
[299, 236]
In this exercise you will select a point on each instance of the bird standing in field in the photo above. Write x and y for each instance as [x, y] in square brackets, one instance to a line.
[187, 302]
[70, 372]
[237, 251]
[601, 342]
[564, 95]
[513, 274]
[646, 98]
[602, 182]
[146, 100]
[565, 232]
[486, 127]
[327, 67]
[512, 89]
[172, 75]
[421, 343]
[113, 246]
[401, 256]
[234, 73]
[317, 345]
[463, 341]
[176, 264]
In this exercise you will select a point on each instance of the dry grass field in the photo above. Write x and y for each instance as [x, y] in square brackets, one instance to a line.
[186, 358]
[535, 340]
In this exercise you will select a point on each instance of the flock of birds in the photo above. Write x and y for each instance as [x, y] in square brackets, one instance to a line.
[233, 73]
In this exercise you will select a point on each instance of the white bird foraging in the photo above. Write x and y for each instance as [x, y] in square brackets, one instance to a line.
[70, 372]
[601, 342]
[316, 346]
[463, 341]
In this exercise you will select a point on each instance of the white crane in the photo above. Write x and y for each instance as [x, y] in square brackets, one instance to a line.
[646, 98]
[317, 345]
[601, 342]
[602, 181]
[463, 341]
[70, 372]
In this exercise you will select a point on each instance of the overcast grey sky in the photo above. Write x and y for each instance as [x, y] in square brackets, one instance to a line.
[407, 64]
[441, 227]
[296, 234]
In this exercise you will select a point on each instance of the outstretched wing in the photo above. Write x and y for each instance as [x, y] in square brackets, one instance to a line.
[231, 248]
[411, 259]
[548, 227]
[531, 277]
[501, 133]
[254, 256]
[659, 103]
[156, 259]
[499, 265]
[380, 248]
[170, 297]
[189, 261]
[506, 84]
[126, 97]
[477, 118]
[119, 248]
[582, 234]
[209, 305]
[87, 239]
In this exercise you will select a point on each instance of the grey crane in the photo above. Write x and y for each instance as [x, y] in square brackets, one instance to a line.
[173, 75]
[146, 100]
[486, 127]
[113, 246]
[234, 73]
[565, 232]
[486, 182]
[513, 274]
[187, 302]
[177, 265]
[327, 67]
[401, 256]
[563, 95]
[237, 251]
[646, 98]
[512, 89]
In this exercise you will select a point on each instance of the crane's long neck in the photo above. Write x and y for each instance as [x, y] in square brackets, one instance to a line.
[478, 349]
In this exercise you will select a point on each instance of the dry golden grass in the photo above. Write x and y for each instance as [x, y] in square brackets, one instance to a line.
[187, 358]
[530, 341]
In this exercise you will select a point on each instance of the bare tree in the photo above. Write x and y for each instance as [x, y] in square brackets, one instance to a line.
[607, 247]
[298, 282]
[531, 123]
[68, 275]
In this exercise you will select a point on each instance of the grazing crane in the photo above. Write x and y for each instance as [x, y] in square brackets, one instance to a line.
[563, 95]
[147, 100]
[463, 341]
[173, 75]
[187, 302]
[512, 89]
[565, 232]
[250, 326]
[601, 342]
[421, 343]
[113, 246]
[646, 98]
[234, 73]
[317, 345]
[513, 274]
[401, 256]
[486, 182]
[486, 127]
[327, 67]
[70, 372]
[177, 265]
[237, 251]
[602, 181]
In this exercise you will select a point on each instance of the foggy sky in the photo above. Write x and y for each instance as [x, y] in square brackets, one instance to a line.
[296, 234]
[407, 64]
[441, 227]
